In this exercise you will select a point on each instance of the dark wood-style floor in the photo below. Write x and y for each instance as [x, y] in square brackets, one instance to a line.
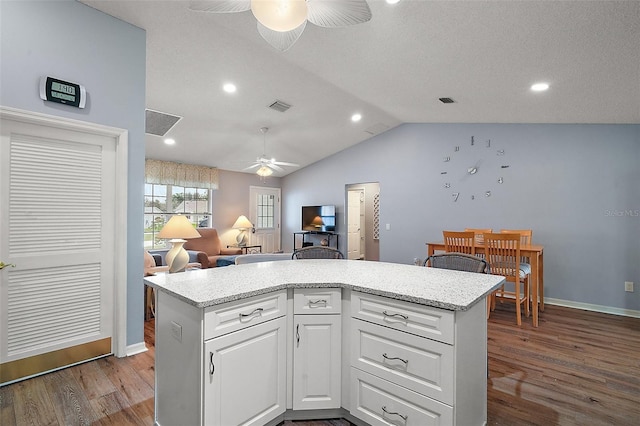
[577, 368]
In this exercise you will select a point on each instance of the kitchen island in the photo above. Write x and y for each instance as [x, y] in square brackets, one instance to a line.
[373, 342]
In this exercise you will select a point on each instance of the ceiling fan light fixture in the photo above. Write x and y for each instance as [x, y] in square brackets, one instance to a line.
[280, 15]
[264, 171]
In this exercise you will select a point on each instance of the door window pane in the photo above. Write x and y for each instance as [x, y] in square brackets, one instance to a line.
[265, 211]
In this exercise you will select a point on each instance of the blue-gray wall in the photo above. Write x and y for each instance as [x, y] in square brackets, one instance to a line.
[74, 42]
[577, 186]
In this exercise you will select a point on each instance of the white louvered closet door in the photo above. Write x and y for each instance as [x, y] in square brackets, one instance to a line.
[57, 226]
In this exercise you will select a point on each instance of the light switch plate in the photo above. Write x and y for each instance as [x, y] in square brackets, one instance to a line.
[628, 286]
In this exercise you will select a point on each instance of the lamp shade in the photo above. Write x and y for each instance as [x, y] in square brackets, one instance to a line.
[317, 222]
[178, 227]
[242, 223]
[280, 15]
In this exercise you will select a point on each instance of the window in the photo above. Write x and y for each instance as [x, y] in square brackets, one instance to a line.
[265, 211]
[162, 201]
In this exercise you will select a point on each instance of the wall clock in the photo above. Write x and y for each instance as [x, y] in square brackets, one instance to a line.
[472, 170]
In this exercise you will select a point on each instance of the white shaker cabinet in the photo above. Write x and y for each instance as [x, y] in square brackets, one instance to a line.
[245, 375]
[317, 349]
[417, 365]
[221, 365]
[376, 343]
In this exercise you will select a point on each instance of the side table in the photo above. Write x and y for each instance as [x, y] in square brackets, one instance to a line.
[247, 249]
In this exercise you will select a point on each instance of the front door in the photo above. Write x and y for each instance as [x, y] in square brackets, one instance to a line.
[57, 221]
[265, 216]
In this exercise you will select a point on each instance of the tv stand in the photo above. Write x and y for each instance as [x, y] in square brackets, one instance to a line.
[307, 238]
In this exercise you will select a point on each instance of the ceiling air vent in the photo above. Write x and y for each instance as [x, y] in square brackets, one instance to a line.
[159, 123]
[280, 106]
[376, 129]
[446, 100]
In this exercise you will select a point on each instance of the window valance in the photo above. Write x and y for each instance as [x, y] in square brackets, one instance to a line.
[187, 175]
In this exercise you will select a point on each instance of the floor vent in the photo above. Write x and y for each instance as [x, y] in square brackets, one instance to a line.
[280, 106]
[446, 100]
[159, 123]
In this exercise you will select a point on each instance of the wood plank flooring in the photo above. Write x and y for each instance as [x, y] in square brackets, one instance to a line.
[577, 368]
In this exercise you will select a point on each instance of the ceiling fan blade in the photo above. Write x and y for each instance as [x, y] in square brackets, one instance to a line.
[220, 6]
[252, 167]
[275, 167]
[281, 40]
[332, 14]
[284, 163]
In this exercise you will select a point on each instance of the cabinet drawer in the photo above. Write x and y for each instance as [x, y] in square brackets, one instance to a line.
[379, 402]
[316, 301]
[232, 316]
[420, 364]
[417, 319]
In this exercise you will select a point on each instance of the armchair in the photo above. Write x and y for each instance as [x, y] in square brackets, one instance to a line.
[209, 248]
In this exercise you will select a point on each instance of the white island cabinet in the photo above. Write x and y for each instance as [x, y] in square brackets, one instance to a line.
[317, 349]
[376, 343]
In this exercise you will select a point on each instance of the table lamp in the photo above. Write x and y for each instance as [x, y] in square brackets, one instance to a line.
[178, 229]
[317, 222]
[242, 224]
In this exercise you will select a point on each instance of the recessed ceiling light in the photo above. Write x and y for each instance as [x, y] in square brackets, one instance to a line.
[356, 117]
[392, 1]
[170, 141]
[539, 87]
[229, 88]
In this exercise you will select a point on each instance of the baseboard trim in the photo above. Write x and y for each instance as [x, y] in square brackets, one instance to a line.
[591, 307]
[138, 348]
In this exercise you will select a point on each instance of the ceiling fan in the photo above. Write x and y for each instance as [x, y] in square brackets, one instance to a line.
[281, 22]
[266, 166]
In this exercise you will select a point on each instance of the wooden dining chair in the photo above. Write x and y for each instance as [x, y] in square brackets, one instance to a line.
[502, 251]
[479, 232]
[459, 242]
[526, 237]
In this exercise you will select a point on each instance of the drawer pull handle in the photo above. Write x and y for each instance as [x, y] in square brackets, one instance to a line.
[257, 311]
[386, 314]
[393, 413]
[212, 367]
[391, 358]
[297, 335]
[313, 303]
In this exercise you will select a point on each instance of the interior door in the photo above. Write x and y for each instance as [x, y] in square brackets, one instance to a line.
[57, 221]
[265, 216]
[354, 227]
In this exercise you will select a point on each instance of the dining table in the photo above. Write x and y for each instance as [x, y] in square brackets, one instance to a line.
[535, 254]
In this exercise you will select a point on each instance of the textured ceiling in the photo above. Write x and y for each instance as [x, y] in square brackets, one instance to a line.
[392, 70]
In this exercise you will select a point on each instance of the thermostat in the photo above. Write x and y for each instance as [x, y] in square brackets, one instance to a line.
[62, 92]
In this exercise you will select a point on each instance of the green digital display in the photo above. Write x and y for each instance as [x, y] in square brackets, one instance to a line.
[63, 96]
[64, 88]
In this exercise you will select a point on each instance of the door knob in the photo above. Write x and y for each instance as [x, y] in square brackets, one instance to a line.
[4, 265]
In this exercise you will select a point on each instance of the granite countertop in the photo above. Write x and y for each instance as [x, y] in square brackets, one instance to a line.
[451, 290]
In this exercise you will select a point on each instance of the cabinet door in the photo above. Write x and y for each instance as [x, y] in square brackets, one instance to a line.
[316, 362]
[245, 375]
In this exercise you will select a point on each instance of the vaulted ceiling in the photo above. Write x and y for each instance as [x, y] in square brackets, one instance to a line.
[484, 55]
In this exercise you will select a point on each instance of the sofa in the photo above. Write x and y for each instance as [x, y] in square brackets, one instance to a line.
[209, 248]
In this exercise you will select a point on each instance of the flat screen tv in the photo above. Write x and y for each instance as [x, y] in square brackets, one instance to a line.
[319, 218]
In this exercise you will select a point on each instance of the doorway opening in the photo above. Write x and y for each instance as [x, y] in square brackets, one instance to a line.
[362, 201]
